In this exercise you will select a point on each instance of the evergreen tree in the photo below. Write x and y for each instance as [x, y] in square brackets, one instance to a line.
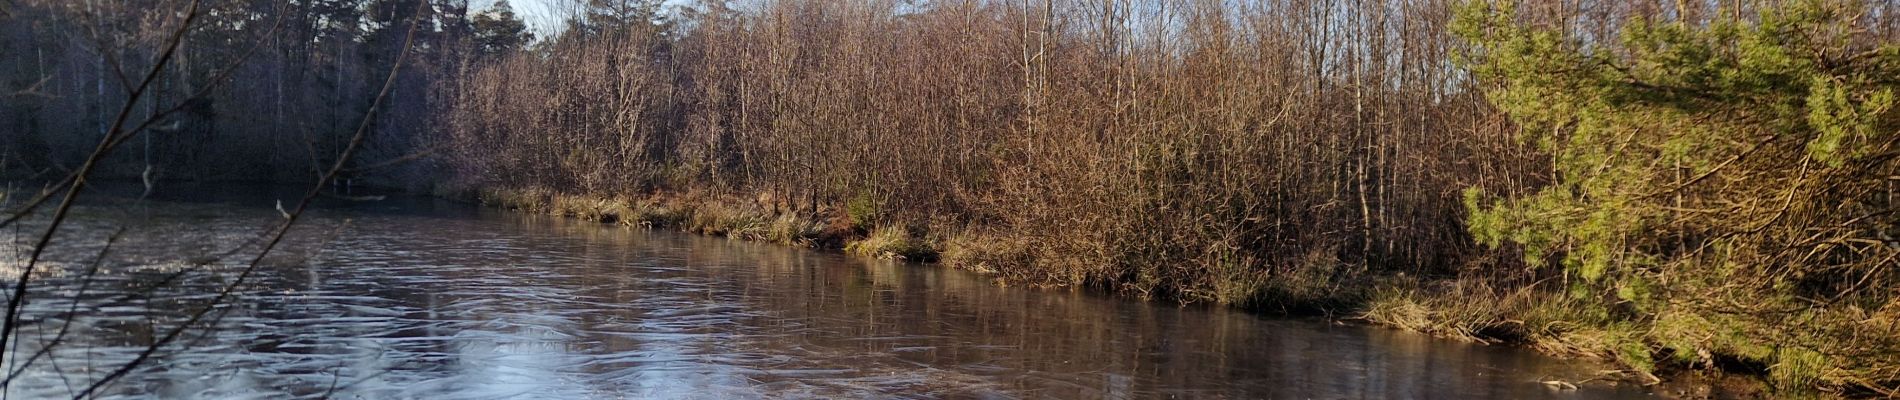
[498, 31]
[606, 17]
[1725, 181]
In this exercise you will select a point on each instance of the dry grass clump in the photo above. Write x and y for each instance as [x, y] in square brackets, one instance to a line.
[531, 200]
[1310, 284]
[1551, 322]
[1559, 323]
[655, 213]
[591, 208]
[785, 228]
[894, 242]
[987, 253]
[720, 218]
[1453, 310]
[696, 213]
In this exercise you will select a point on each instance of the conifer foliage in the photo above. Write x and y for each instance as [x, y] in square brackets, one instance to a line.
[1729, 181]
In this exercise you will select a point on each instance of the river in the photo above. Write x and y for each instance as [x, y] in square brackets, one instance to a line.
[411, 297]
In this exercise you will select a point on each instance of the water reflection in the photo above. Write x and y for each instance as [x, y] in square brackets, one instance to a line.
[414, 299]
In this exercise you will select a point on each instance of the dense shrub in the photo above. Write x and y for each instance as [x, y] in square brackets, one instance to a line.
[1728, 181]
[1660, 186]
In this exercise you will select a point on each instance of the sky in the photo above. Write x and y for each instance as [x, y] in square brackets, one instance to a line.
[542, 16]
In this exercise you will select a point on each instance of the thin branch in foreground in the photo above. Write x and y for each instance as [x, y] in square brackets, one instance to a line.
[224, 75]
[78, 177]
[418, 155]
[72, 311]
[277, 236]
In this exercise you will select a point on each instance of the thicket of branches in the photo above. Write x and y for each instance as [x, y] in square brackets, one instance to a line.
[1727, 179]
[1662, 182]
[263, 89]
[156, 36]
[1123, 144]
[1274, 152]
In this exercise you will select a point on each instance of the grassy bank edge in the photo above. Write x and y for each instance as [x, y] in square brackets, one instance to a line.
[1464, 310]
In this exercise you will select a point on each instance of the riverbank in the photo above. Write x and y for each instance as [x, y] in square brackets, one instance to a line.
[1531, 316]
[582, 310]
[1698, 195]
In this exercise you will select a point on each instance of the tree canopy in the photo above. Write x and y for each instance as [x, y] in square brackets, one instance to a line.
[1730, 181]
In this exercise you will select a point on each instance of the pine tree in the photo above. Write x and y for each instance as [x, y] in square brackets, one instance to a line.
[498, 31]
[1723, 180]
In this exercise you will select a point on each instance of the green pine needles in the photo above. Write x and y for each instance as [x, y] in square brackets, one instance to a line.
[1727, 180]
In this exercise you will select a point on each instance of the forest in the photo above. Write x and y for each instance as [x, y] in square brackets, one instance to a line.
[1666, 185]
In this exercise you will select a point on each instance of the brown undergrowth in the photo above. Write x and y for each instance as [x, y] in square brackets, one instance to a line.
[1279, 156]
[1473, 309]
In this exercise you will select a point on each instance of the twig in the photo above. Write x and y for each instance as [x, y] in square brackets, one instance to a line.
[224, 74]
[396, 161]
[78, 178]
[34, 89]
[277, 237]
[71, 311]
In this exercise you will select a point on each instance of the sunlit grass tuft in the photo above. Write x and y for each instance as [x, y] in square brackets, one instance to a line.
[894, 242]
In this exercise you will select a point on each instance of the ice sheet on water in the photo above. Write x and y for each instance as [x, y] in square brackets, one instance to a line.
[425, 307]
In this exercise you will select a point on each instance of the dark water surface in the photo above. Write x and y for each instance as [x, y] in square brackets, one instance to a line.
[415, 298]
